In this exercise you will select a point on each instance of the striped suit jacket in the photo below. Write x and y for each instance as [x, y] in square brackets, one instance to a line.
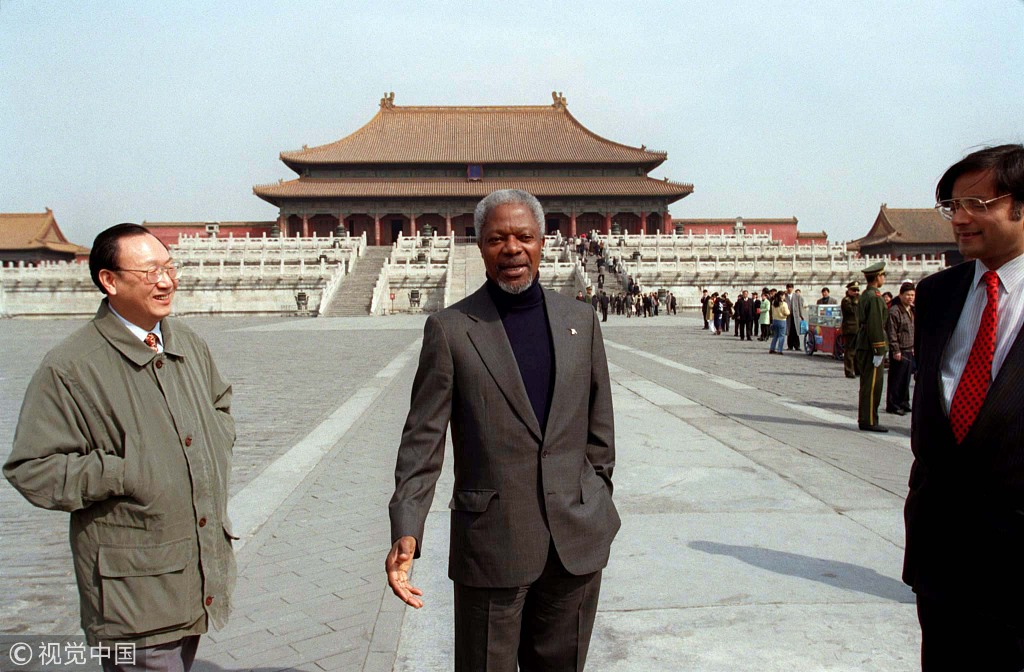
[964, 513]
[517, 489]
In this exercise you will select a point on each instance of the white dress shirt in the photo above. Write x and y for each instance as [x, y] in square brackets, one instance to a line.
[1008, 323]
[139, 332]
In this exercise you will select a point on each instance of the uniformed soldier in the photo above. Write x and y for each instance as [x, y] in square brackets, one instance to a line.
[850, 327]
[872, 346]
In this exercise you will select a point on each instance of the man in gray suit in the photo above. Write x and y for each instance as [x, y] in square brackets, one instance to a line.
[520, 373]
[796, 316]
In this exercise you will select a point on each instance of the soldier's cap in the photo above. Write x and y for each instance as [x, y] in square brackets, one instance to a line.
[854, 285]
[874, 269]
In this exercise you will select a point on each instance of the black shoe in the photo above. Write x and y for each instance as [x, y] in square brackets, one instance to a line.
[896, 411]
[851, 375]
[872, 428]
[906, 408]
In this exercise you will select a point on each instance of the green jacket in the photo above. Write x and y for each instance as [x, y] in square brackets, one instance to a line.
[872, 315]
[137, 446]
[851, 325]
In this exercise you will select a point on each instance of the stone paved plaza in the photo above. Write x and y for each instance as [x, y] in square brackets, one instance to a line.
[761, 530]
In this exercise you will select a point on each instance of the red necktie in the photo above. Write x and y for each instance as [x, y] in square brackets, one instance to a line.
[977, 375]
[152, 340]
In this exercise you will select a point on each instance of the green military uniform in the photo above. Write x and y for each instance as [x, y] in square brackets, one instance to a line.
[871, 342]
[849, 329]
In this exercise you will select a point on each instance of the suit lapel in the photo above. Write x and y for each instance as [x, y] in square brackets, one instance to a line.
[562, 344]
[491, 342]
[1005, 388]
[958, 289]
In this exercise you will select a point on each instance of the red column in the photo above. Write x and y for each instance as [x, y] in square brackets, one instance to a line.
[376, 229]
[282, 224]
[341, 221]
[666, 220]
[572, 224]
[412, 225]
[643, 222]
[448, 224]
[305, 226]
[607, 229]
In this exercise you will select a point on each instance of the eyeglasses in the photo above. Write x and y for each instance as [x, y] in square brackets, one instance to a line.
[153, 275]
[972, 205]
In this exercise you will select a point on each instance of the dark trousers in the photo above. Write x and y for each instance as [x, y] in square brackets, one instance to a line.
[545, 627]
[849, 352]
[747, 328]
[958, 637]
[176, 656]
[897, 395]
[871, 383]
[792, 334]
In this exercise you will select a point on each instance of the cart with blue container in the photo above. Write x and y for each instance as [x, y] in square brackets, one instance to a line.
[824, 330]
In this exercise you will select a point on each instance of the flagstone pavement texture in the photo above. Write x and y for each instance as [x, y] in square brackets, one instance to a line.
[761, 530]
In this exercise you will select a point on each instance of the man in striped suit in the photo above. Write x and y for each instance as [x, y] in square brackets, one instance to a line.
[965, 509]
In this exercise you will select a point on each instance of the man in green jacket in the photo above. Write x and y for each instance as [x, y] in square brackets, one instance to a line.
[871, 347]
[127, 425]
[850, 327]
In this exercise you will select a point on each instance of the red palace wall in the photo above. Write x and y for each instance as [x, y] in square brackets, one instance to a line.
[785, 233]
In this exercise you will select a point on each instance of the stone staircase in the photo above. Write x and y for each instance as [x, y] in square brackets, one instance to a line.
[468, 271]
[356, 291]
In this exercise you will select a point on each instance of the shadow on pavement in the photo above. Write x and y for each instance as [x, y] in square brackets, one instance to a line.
[784, 420]
[830, 572]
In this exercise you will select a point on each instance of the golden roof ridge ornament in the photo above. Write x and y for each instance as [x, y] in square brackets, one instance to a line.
[560, 102]
[388, 100]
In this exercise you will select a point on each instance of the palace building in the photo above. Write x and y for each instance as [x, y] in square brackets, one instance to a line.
[909, 231]
[33, 238]
[410, 168]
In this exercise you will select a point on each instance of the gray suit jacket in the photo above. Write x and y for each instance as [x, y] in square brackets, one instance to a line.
[517, 488]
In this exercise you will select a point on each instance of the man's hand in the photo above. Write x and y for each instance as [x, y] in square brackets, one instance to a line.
[398, 565]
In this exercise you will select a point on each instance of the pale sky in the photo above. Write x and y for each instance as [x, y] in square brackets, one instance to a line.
[131, 111]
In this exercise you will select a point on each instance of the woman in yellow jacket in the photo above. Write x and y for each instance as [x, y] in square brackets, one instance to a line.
[780, 311]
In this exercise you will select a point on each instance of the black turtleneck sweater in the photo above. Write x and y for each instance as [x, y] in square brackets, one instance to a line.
[529, 334]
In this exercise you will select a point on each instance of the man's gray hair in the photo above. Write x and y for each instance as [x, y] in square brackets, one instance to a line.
[501, 197]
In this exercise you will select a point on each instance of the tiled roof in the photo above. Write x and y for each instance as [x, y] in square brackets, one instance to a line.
[34, 231]
[908, 226]
[455, 187]
[543, 134]
[811, 234]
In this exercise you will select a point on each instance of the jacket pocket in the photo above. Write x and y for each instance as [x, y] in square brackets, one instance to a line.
[591, 485]
[146, 588]
[473, 501]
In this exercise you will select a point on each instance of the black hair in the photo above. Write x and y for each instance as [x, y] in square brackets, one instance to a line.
[103, 255]
[1006, 163]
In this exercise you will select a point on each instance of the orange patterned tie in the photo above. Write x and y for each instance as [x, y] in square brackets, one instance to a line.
[977, 375]
[152, 340]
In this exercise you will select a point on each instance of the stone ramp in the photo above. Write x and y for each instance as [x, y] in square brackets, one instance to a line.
[468, 271]
[356, 291]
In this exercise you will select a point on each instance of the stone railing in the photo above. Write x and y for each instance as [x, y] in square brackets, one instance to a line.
[689, 246]
[418, 249]
[698, 268]
[381, 291]
[449, 273]
[190, 250]
[331, 288]
[267, 243]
